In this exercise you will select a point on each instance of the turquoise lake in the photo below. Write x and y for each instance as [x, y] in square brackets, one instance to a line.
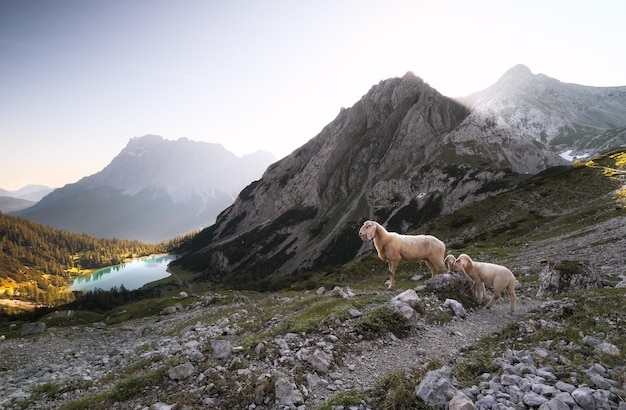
[132, 275]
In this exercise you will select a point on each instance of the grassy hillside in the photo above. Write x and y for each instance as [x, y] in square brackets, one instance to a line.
[36, 261]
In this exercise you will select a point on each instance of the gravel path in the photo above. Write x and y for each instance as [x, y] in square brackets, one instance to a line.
[445, 343]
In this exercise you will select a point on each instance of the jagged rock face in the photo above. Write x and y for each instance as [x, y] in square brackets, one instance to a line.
[401, 155]
[572, 118]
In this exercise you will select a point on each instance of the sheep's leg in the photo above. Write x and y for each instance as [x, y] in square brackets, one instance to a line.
[440, 266]
[392, 271]
[431, 266]
[480, 291]
[476, 289]
[511, 291]
[494, 299]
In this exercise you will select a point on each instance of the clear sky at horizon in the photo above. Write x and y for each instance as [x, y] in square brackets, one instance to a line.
[79, 79]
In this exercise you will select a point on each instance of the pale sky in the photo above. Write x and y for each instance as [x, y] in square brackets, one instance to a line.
[80, 78]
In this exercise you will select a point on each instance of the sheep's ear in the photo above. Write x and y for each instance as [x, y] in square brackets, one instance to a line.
[370, 231]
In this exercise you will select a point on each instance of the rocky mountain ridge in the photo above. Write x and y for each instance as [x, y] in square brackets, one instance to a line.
[576, 120]
[401, 155]
[153, 190]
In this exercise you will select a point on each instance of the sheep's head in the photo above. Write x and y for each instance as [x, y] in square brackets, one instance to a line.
[450, 261]
[367, 231]
[464, 260]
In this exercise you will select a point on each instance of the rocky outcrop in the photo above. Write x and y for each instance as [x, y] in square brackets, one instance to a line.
[566, 276]
[33, 328]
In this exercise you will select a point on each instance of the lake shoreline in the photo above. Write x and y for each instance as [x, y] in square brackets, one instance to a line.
[132, 274]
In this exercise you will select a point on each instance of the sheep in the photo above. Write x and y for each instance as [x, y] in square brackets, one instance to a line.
[393, 247]
[449, 261]
[478, 288]
[497, 276]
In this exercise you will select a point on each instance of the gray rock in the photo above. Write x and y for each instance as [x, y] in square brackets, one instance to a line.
[460, 402]
[456, 307]
[222, 349]
[608, 348]
[99, 325]
[567, 398]
[402, 308]
[554, 404]
[409, 297]
[355, 313]
[161, 406]
[344, 293]
[238, 297]
[320, 360]
[33, 328]
[169, 310]
[286, 392]
[533, 399]
[584, 398]
[436, 389]
[182, 371]
[566, 387]
[566, 276]
[195, 356]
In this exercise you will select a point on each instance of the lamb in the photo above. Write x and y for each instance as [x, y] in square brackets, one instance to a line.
[393, 247]
[478, 288]
[497, 276]
[450, 259]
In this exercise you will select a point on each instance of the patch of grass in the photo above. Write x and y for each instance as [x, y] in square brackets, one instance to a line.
[92, 401]
[134, 385]
[313, 312]
[125, 389]
[397, 391]
[345, 399]
[379, 322]
[49, 389]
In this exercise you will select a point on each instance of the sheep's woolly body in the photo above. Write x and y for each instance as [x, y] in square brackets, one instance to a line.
[484, 273]
[393, 247]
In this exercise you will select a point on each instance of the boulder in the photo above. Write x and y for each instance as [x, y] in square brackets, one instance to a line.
[456, 307]
[33, 328]
[436, 389]
[182, 371]
[222, 349]
[451, 282]
[286, 392]
[566, 276]
[460, 402]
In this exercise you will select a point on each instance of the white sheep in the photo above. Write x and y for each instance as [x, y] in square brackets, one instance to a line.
[393, 247]
[478, 287]
[497, 276]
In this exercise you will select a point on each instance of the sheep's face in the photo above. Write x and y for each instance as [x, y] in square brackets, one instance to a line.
[450, 261]
[367, 231]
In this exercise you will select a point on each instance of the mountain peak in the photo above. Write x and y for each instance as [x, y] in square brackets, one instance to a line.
[518, 71]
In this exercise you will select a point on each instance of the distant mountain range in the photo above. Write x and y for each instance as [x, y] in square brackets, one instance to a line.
[402, 155]
[11, 201]
[576, 120]
[153, 190]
